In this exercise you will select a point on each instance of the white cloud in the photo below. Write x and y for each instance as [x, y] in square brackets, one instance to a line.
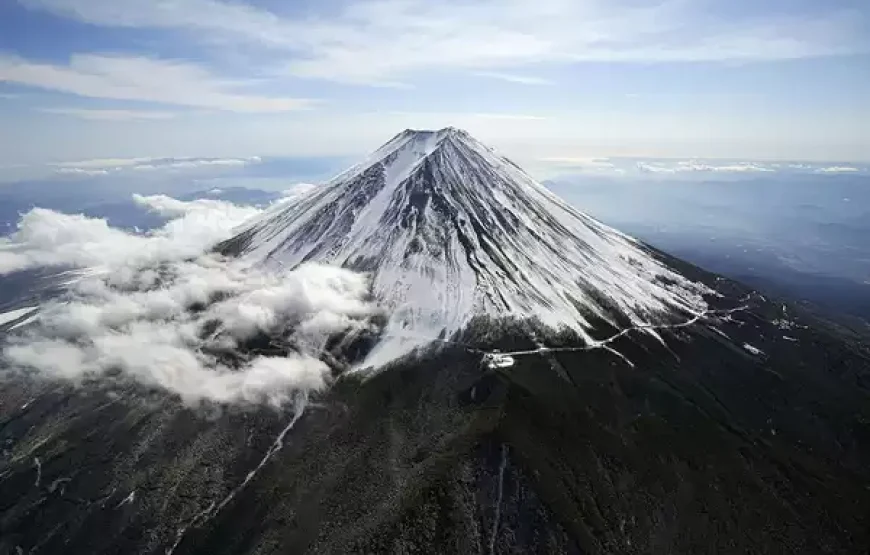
[380, 41]
[104, 163]
[156, 310]
[106, 166]
[583, 164]
[109, 115]
[174, 208]
[389, 38]
[838, 169]
[514, 78]
[213, 15]
[691, 166]
[580, 161]
[193, 163]
[738, 167]
[48, 238]
[143, 79]
[81, 172]
[709, 166]
[686, 168]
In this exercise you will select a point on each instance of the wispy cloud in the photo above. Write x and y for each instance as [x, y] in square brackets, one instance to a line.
[143, 79]
[683, 166]
[515, 78]
[686, 168]
[109, 115]
[82, 172]
[837, 169]
[231, 18]
[578, 161]
[378, 41]
[194, 163]
[104, 163]
[105, 166]
[585, 164]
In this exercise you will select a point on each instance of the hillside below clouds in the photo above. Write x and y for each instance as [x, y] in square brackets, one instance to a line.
[648, 407]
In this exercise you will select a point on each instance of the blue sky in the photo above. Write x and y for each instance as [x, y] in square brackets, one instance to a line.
[543, 80]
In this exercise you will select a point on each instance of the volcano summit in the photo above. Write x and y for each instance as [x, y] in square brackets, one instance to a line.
[450, 230]
[547, 385]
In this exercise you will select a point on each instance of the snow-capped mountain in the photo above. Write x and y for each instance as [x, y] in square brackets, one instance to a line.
[449, 230]
[744, 428]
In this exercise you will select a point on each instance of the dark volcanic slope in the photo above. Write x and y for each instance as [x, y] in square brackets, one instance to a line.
[701, 447]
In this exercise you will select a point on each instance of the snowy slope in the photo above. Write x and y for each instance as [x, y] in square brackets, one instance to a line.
[449, 229]
[14, 315]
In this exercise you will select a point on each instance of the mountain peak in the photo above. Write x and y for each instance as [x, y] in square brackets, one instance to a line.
[424, 142]
[405, 152]
[449, 230]
[441, 133]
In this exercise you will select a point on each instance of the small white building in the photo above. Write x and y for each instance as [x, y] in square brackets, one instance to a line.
[498, 360]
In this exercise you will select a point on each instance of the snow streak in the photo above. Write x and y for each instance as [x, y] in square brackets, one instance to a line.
[450, 230]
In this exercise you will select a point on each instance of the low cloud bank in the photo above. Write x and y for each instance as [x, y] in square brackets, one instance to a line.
[112, 166]
[632, 167]
[683, 166]
[156, 309]
[48, 238]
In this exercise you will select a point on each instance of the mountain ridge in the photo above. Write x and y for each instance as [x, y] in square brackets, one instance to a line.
[448, 230]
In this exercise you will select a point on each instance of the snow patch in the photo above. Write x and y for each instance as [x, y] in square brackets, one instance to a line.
[17, 314]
